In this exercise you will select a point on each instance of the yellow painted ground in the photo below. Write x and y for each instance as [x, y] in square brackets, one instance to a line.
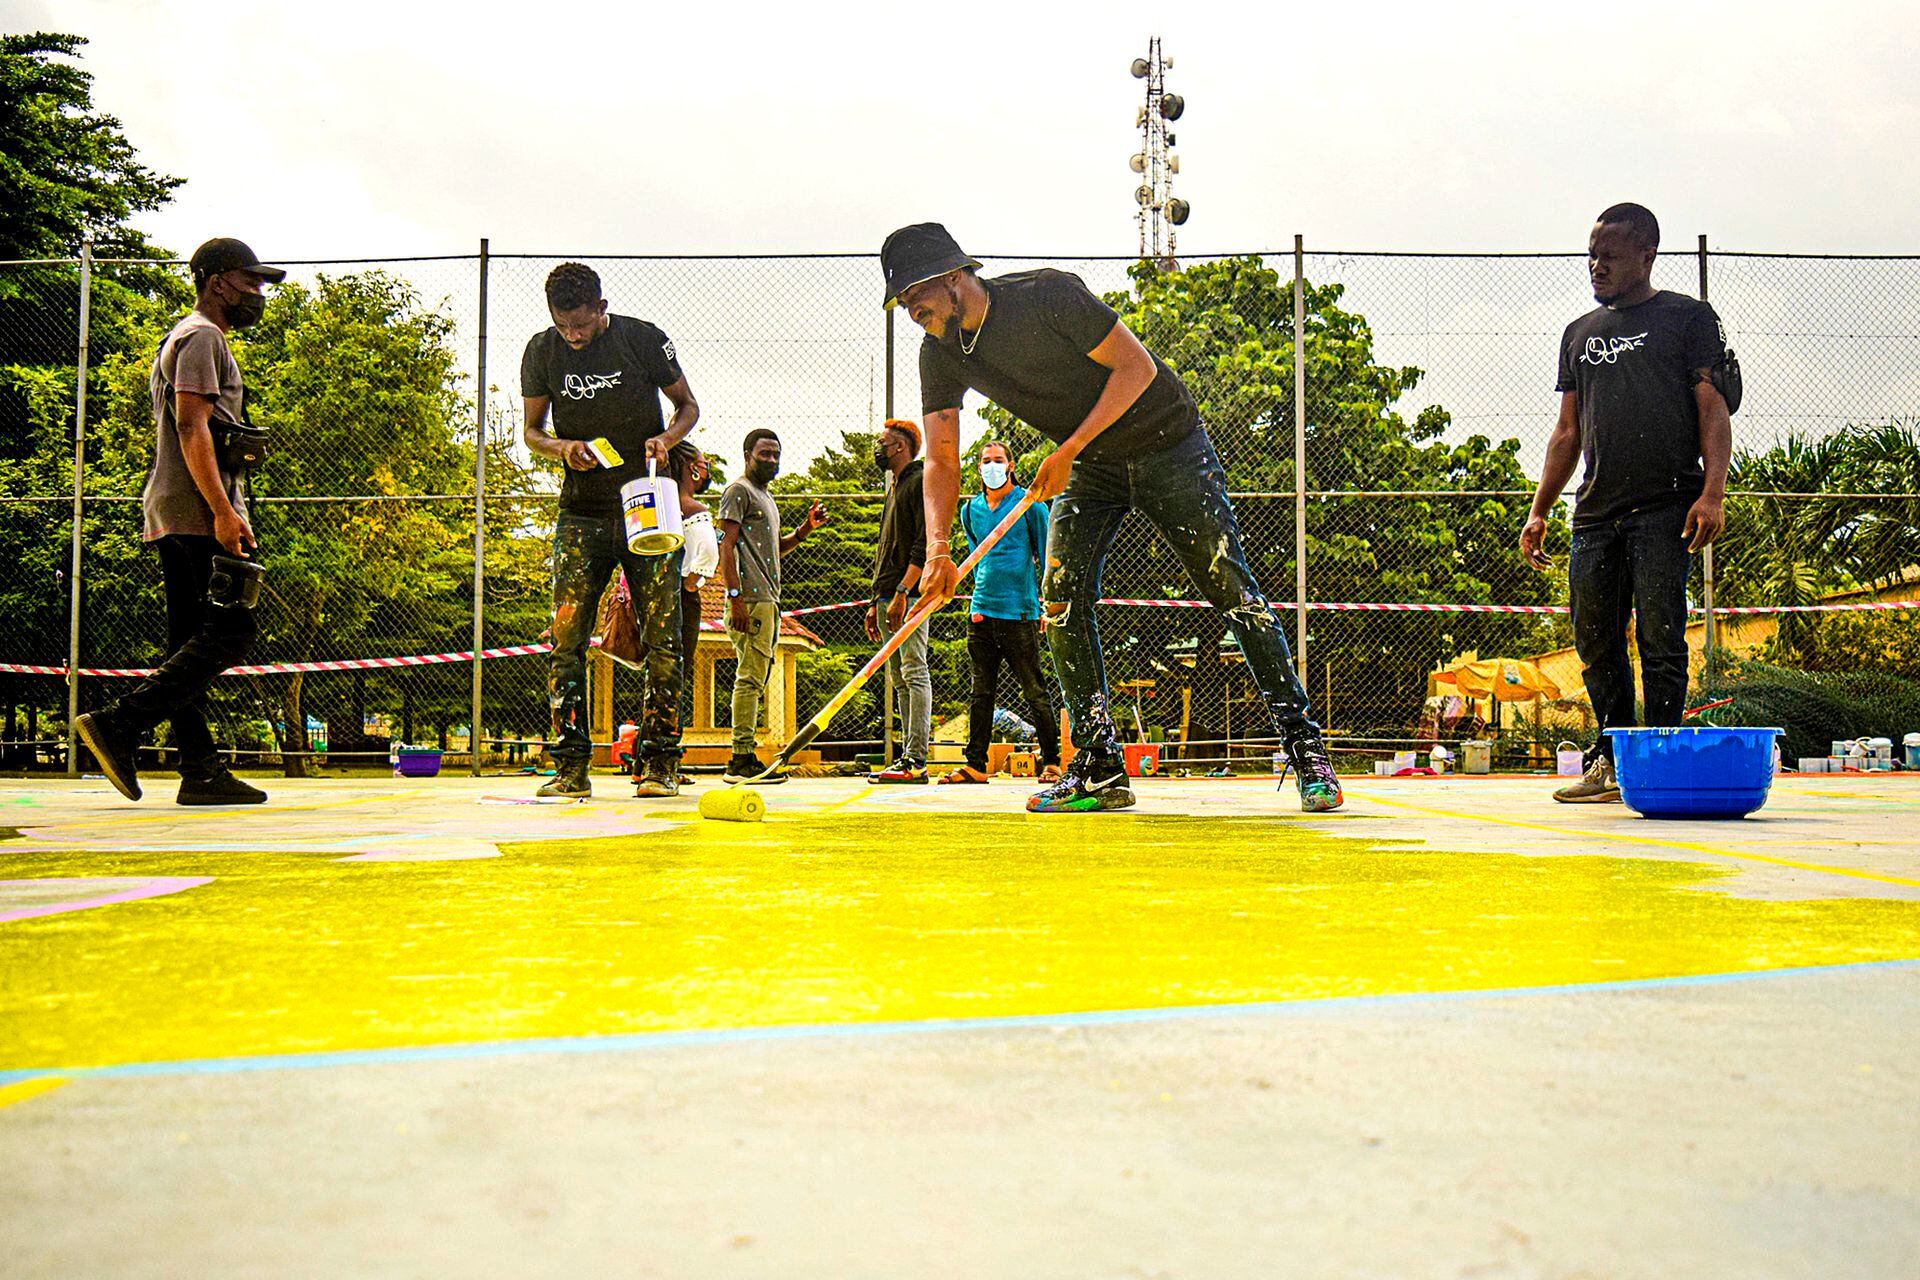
[849, 919]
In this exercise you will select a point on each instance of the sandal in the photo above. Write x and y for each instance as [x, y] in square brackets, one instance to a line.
[966, 774]
[1050, 774]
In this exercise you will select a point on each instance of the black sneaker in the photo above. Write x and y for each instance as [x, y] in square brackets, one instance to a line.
[1095, 780]
[744, 766]
[221, 788]
[113, 748]
[1313, 772]
[904, 770]
[569, 782]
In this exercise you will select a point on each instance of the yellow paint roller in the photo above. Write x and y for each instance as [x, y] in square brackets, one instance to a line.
[733, 804]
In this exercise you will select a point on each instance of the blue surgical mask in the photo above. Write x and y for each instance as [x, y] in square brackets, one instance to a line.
[994, 473]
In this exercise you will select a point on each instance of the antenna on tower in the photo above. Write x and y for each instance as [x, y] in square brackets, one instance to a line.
[1158, 211]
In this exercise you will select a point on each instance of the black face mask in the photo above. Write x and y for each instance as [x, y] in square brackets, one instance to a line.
[762, 473]
[880, 456]
[245, 310]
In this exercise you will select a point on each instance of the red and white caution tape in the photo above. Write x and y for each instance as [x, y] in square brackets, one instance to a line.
[527, 650]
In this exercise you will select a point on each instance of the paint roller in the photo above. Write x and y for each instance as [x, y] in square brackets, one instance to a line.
[925, 609]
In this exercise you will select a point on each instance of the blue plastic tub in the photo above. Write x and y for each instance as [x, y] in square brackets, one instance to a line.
[1699, 772]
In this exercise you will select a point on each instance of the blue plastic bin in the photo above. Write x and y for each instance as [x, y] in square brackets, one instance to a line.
[1700, 772]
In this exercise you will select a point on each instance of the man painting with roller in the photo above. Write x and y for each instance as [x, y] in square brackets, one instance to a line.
[1128, 437]
[599, 377]
[194, 511]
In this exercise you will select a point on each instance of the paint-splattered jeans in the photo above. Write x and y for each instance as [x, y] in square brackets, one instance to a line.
[1183, 491]
[1636, 565]
[586, 551]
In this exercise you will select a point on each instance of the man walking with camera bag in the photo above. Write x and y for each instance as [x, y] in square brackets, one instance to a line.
[194, 512]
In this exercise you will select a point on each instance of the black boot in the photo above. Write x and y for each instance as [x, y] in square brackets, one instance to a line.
[569, 782]
[219, 788]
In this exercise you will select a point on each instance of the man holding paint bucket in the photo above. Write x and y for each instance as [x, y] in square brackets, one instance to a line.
[599, 377]
[1128, 437]
[195, 509]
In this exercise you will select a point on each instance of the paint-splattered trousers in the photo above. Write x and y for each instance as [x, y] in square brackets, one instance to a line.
[1183, 490]
[1634, 566]
[586, 551]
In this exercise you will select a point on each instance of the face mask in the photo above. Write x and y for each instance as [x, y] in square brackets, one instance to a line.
[245, 310]
[994, 473]
[762, 473]
[880, 456]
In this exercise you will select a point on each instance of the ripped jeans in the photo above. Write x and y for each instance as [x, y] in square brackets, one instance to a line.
[586, 551]
[1183, 490]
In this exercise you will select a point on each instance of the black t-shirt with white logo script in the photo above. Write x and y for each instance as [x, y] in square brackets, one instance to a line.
[611, 389]
[1633, 370]
[1030, 357]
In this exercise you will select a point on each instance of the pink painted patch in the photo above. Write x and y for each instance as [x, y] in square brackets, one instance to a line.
[25, 899]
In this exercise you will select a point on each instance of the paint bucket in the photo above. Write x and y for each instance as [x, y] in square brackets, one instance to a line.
[415, 762]
[1912, 743]
[651, 508]
[1143, 759]
[1476, 757]
[1568, 761]
[1879, 748]
[1702, 772]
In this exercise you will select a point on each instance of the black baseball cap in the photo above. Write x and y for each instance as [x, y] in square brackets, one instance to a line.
[918, 253]
[224, 253]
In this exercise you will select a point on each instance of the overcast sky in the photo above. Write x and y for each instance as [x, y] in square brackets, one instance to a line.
[359, 128]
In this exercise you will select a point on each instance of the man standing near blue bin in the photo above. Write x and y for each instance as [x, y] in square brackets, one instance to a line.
[1646, 384]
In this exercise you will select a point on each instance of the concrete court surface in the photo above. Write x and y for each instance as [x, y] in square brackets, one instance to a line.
[392, 1028]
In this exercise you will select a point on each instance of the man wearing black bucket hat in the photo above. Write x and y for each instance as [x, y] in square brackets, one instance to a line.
[194, 512]
[1129, 438]
[601, 377]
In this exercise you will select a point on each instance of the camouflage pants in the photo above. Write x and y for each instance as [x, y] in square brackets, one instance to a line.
[586, 551]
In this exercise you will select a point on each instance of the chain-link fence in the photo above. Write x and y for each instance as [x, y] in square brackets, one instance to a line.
[1422, 407]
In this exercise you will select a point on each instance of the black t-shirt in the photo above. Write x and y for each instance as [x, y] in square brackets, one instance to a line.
[611, 389]
[1633, 370]
[1031, 358]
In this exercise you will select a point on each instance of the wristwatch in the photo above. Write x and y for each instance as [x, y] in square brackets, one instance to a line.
[733, 593]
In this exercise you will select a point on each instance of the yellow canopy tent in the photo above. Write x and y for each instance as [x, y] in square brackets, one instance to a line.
[1498, 679]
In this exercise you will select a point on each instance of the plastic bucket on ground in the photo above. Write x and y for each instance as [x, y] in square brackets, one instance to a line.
[1694, 772]
[1476, 757]
[1912, 744]
[651, 508]
[1143, 759]
[416, 762]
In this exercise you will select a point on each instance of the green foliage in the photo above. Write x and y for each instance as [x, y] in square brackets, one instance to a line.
[1814, 707]
[824, 672]
[66, 170]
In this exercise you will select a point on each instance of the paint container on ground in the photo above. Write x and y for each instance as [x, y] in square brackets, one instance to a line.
[1143, 759]
[1383, 768]
[1912, 743]
[1567, 761]
[1813, 764]
[415, 762]
[1702, 772]
[1477, 757]
[1279, 763]
[651, 509]
[1879, 748]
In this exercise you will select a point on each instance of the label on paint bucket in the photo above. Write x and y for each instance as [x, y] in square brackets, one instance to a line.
[650, 508]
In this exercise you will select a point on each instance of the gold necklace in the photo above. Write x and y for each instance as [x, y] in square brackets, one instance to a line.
[966, 348]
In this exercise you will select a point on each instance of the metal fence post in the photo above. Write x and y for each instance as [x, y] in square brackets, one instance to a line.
[479, 515]
[79, 476]
[886, 715]
[1300, 452]
[1706, 552]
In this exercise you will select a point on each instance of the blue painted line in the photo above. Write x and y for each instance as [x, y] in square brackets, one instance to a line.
[650, 1040]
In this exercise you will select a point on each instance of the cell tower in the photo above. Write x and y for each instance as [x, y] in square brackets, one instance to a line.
[1159, 210]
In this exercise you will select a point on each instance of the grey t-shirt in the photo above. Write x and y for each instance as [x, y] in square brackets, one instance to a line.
[194, 357]
[751, 507]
